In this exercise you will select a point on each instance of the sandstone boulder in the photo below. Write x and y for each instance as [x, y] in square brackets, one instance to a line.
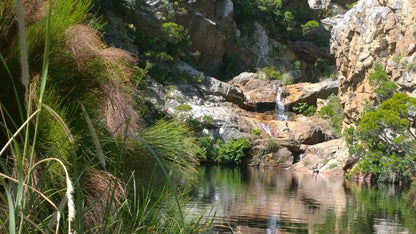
[283, 158]
[321, 158]
[310, 92]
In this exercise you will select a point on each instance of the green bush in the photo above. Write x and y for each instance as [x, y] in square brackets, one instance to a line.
[176, 36]
[183, 107]
[208, 120]
[384, 88]
[309, 26]
[216, 151]
[256, 131]
[272, 146]
[305, 109]
[323, 66]
[349, 6]
[270, 73]
[297, 65]
[384, 141]
[233, 152]
[333, 111]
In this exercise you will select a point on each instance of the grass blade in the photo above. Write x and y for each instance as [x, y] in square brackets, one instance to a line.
[60, 121]
[94, 136]
[170, 182]
[18, 131]
[16, 94]
[12, 213]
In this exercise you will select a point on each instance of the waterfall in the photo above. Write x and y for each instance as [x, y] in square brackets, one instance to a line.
[280, 107]
[267, 129]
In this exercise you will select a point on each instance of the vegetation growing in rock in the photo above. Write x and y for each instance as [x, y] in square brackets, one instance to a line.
[334, 112]
[270, 73]
[349, 6]
[183, 107]
[309, 26]
[384, 88]
[385, 140]
[305, 108]
[256, 131]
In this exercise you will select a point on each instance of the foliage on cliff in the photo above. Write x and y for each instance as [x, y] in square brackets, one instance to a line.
[385, 140]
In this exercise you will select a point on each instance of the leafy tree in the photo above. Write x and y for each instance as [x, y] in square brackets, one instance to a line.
[385, 139]
[176, 37]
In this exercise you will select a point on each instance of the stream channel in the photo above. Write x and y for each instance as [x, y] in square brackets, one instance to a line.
[261, 200]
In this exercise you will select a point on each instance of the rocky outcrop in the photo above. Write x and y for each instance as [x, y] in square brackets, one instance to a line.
[261, 94]
[323, 158]
[208, 23]
[309, 93]
[372, 32]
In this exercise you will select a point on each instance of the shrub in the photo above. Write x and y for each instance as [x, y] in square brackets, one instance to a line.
[256, 131]
[323, 65]
[268, 73]
[183, 107]
[297, 65]
[349, 6]
[176, 36]
[384, 88]
[309, 26]
[272, 146]
[305, 109]
[333, 111]
[233, 152]
[208, 120]
[384, 141]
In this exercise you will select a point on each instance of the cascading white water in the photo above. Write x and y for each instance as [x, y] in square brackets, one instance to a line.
[267, 129]
[280, 107]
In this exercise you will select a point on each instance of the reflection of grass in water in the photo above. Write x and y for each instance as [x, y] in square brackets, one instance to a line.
[223, 178]
[368, 205]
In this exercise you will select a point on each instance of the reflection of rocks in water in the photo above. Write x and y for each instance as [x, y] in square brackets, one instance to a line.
[311, 203]
[279, 201]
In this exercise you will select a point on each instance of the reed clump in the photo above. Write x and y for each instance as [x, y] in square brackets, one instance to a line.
[68, 121]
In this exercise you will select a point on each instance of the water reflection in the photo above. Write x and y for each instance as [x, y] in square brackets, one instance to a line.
[278, 201]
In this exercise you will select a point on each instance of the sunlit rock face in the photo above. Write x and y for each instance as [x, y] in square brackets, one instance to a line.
[374, 32]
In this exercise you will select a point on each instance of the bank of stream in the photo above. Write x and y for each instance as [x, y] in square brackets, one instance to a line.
[267, 200]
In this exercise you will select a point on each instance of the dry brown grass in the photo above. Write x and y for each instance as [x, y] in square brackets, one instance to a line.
[103, 193]
[8, 23]
[35, 10]
[119, 112]
[86, 45]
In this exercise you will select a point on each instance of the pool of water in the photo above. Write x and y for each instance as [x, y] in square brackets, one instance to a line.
[253, 200]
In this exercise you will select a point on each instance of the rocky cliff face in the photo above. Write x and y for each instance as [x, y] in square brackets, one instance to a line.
[374, 31]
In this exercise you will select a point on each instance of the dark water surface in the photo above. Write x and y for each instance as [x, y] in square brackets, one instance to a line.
[253, 200]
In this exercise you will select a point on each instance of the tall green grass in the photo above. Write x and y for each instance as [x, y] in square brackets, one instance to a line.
[56, 157]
